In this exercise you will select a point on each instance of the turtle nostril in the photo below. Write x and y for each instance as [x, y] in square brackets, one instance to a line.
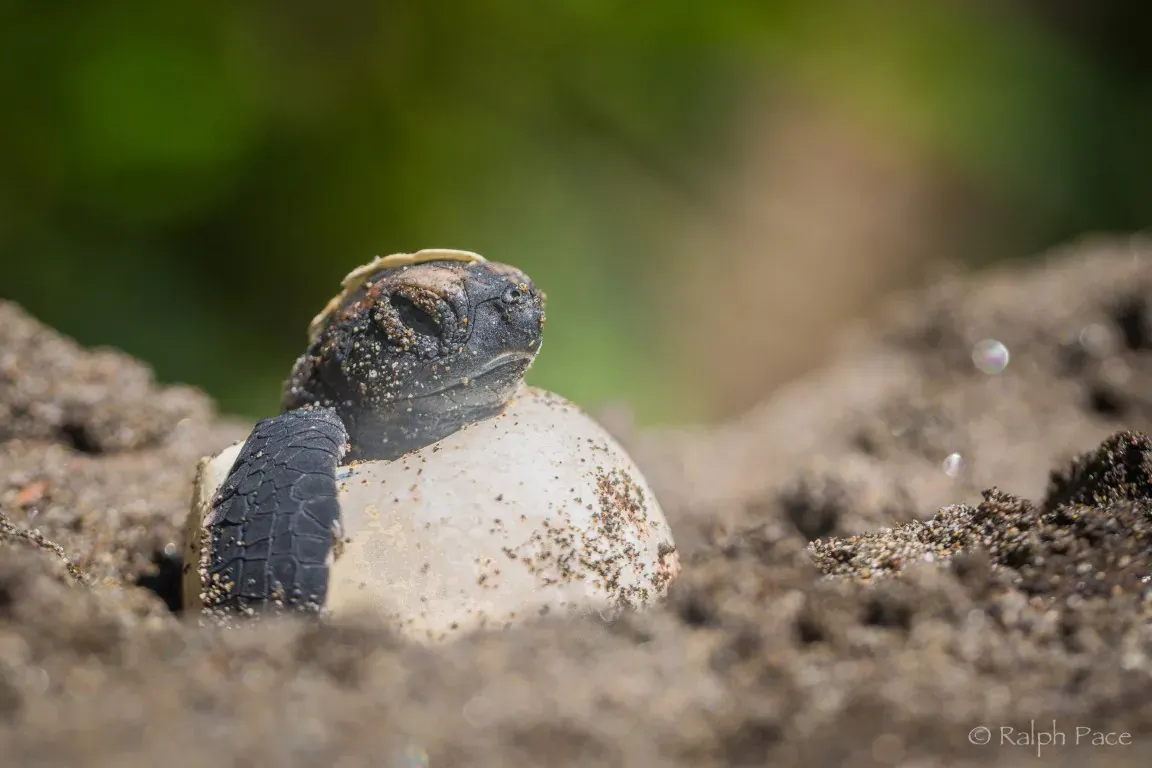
[419, 320]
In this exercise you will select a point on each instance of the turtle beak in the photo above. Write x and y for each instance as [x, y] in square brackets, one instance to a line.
[522, 308]
[508, 325]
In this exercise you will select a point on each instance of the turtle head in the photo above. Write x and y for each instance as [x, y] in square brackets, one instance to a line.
[417, 346]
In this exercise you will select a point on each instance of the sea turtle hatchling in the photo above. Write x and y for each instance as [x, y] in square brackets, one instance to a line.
[412, 474]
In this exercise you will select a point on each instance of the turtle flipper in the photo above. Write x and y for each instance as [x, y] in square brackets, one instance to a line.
[272, 525]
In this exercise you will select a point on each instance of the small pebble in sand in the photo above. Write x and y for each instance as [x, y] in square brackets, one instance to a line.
[953, 465]
[990, 356]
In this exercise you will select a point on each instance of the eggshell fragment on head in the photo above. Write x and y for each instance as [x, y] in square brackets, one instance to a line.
[358, 276]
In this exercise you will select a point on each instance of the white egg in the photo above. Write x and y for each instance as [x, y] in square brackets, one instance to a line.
[535, 511]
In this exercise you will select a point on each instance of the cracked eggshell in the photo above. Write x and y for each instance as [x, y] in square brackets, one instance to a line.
[211, 472]
[534, 511]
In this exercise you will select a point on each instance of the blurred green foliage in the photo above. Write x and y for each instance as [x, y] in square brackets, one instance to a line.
[190, 180]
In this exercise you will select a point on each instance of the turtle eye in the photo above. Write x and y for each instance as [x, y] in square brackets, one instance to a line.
[515, 295]
[420, 320]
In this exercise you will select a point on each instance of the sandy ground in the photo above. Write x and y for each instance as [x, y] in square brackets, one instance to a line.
[851, 596]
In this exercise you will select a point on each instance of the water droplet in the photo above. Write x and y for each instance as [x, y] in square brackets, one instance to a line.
[610, 614]
[990, 356]
[413, 756]
[38, 679]
[478, 711]
[953, 465]
[1097, 340]
[170, 549]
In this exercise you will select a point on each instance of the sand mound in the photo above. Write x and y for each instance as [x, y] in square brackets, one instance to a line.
[851, 595]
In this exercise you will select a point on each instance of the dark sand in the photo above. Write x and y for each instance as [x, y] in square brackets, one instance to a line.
[885, 645]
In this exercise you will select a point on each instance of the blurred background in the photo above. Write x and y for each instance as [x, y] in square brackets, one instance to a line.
[706, 191]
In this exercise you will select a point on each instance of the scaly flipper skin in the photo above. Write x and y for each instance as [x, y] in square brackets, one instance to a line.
[274, 520]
